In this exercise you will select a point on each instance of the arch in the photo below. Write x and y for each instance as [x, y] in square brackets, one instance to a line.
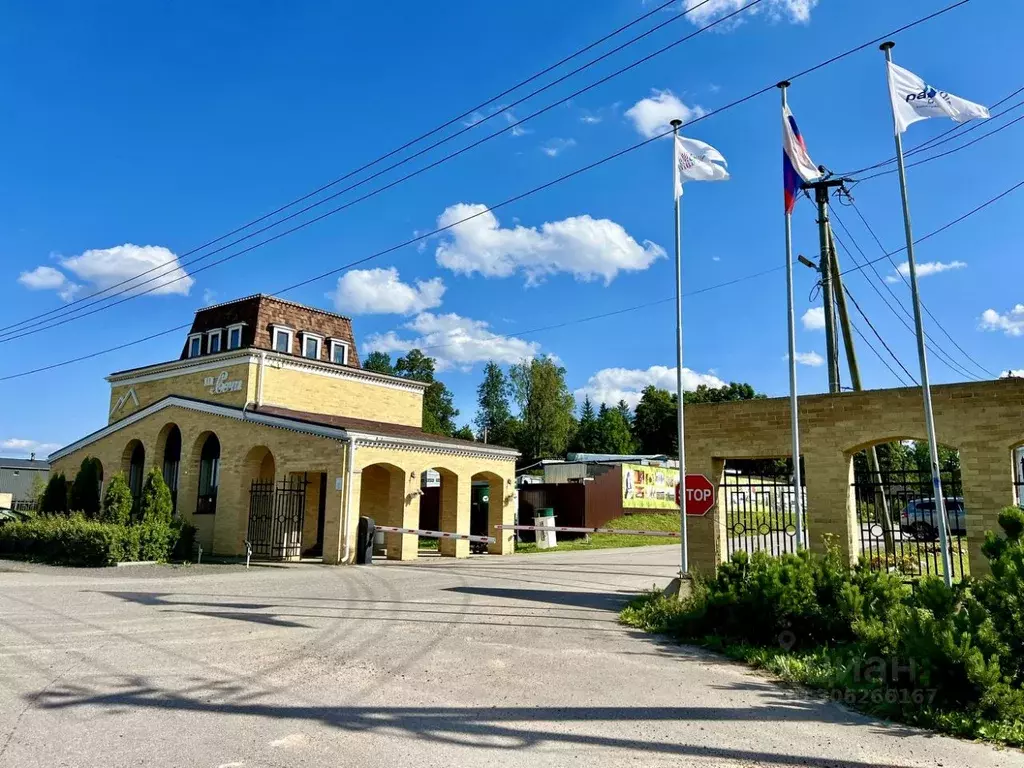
[133, 464]
[487, 507]
[168, 448]
[207, 448]
[384, 495]
[453, 512]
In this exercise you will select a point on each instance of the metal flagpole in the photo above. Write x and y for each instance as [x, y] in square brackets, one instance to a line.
[684, 566]
[933, 446]
[798, 491]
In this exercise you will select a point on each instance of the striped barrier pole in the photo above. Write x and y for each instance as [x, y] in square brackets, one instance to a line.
[571, 529]
[435, 534]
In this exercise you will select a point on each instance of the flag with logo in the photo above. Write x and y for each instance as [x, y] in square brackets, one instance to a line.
[797, 166]
[697, 161]
[913, 99]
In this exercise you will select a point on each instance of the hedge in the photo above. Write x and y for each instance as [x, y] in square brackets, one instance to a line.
[75, 541]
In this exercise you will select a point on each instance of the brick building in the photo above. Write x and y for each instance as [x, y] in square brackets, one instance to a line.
[267, 429]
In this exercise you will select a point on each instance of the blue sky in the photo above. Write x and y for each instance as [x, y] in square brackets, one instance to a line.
[133, 133]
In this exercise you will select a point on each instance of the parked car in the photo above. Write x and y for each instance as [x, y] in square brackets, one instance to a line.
[12, 515]
[920, 521]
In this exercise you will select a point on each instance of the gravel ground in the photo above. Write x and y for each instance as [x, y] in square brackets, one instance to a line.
[489, 661]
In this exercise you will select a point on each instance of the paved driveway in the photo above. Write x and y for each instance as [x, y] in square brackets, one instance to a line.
[491, 661]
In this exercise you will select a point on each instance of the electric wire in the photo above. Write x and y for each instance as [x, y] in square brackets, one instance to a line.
[135, 293]
[881, 358]
[874, 330]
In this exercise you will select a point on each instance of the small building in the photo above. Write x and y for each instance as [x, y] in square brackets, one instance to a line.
[267, 430]
[21, 478]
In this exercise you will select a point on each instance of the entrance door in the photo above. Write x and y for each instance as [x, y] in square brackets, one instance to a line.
[276, 511]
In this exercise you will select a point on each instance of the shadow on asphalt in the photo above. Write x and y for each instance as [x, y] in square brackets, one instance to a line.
[600, 601]
[499, 728]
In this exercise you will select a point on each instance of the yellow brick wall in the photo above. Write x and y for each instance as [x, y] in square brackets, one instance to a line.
[984, 420]
[307, 391]
[187, 384]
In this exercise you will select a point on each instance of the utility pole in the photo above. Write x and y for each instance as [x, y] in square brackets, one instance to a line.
[821, 191]
[881, 504]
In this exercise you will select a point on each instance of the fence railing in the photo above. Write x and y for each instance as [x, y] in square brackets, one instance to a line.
[760, 513]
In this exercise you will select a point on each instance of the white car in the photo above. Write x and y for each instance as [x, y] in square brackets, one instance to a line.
[920, 521]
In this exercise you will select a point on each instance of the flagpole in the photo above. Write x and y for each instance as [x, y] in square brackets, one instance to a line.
[794, 402]
[933, 446]
[684, 562]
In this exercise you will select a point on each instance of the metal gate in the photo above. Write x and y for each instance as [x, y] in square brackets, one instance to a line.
[899, 524]
[760, 513]
[276, 512]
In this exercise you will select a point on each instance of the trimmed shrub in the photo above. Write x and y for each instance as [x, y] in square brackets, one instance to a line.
[156, 505]
[85, 489]
[117, 501]
[55, 497]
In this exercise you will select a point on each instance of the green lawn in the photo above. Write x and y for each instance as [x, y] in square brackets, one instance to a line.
[646, 522]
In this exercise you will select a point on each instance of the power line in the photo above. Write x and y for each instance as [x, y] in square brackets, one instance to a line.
[878, 354]
[468, 113]
[879, 337]
[881, 247]
[130, 286]
[544, 186]
[940, 353]
[11, 335]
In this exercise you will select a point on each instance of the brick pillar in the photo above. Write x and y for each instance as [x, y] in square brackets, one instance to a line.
[501, 511]
[455, 504]
[830, 502]
[404, 507]
[987, 475]
[334, 514]
[706, 535]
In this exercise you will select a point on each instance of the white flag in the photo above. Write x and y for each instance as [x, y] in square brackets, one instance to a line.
[913, 99]
[697, 161]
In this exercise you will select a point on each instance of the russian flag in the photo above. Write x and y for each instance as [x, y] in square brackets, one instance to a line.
[797, 166]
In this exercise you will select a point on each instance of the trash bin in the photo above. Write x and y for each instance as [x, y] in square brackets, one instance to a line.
[364, 541]
[545, 518]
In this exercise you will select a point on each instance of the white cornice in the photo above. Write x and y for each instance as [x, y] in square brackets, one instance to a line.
[434, 446]
[188, 365]
[335, 371]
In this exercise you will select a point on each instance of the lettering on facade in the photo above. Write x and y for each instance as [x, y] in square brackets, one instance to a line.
[219, 384]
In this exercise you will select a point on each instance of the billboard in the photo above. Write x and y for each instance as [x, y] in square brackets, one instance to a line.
[645, 487]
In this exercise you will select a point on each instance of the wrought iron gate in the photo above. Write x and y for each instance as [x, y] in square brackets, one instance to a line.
[760, 513]
[898, 521]
[276, 512]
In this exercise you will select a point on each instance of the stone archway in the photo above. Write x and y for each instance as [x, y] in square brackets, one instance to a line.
[454, 513]
[383, 497]
[487, 510]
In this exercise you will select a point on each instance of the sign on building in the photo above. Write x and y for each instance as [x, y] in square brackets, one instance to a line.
[646, 487]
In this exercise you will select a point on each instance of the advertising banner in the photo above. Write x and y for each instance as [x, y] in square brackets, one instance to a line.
[649, 487]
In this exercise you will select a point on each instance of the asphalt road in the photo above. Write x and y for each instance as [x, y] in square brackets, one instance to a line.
[487, 662]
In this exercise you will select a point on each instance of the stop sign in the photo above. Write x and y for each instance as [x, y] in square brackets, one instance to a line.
[700, 495]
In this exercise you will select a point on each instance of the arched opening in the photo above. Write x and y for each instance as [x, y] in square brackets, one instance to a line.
[277, 507]
[382, 497]
[898, 515]
[133, 464]
[486, 510]
[450, 517]
[171, 461]
[209, 475]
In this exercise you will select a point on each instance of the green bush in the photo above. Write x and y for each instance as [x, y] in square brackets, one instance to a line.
[55, 498]
[75, 541]
[156, 505]
[84, 496]
[117, 501]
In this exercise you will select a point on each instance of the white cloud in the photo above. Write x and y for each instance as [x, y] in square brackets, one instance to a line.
[610, 385]
[1015, 373]
[924, 269]
[209, 296]
[105, 267]
[795, 11]
[814, 319]
[651, 116]
[42, 278]
[454, 341]
[585, 247]
[813, 359]
[380, 291]
[21, 446]
[589, 119]
[555, 147]
[1011, 323]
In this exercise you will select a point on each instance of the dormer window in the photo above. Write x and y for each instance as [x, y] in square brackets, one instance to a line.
[195, 345]
[339, 352]
[213, 341]
[235, 335]
[282, 338]
[311, 344]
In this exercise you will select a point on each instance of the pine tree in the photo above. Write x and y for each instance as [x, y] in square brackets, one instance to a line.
[85, 489]
[55, 497]
[587, 438]
[156, 505]
[117, 501]
[494, 416]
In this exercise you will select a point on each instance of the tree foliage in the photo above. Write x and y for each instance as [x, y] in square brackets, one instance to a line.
[117, 501]
[494, 415]
[85, 489]
[55, 497]
[545, 408]
[465, 432]
[156, 505]
[379, 362]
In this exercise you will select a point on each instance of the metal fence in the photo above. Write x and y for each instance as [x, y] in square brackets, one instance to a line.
[760, 513]
[899, 523]
[276, 512]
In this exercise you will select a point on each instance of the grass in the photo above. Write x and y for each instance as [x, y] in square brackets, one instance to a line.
[646, 522]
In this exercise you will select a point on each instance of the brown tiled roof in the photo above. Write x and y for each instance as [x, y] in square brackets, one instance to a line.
[382, 428]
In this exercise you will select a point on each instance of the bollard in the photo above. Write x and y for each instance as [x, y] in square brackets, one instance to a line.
[199, 558]
[248, 553]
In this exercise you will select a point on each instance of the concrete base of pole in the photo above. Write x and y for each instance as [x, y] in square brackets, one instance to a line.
[680, 588]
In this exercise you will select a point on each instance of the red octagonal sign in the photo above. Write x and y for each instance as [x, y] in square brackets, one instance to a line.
[700, 495]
